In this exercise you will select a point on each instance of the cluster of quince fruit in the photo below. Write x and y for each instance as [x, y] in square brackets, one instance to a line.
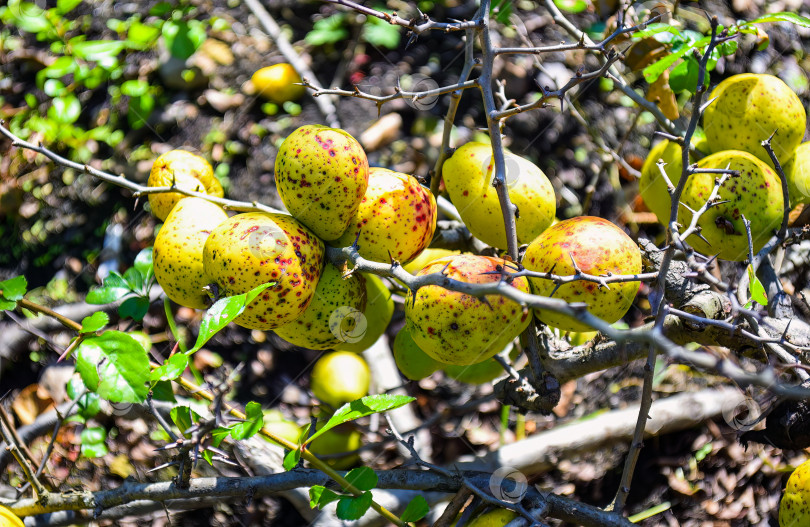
[323, 178]
[744, 111]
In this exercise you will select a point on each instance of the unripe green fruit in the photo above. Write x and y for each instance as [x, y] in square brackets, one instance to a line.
[322, 176]
[336, 441]
[468, 177]
[396, 219]
[748, 109]
[376, 317]
[456, 328]
[652, 187]
[254, 248]
[580, 338]
[332, 316]
[178, 250]
[425, 257]
[414, 363]
[481, 372]
[340, 377]
[183, 170]
[794, 509]
[274, 422]
[797, 172]
[756, 194]
[599, 247]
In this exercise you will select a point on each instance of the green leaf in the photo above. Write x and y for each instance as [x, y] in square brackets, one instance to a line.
[757, 289]
[416, 510]
[363, 478]
[113, 289]
[327, 30]
[65, 6]
[95, 322]
[370, 404]
[142, 36]
[184, 417]
[793, 18]
[115, 366]
[353, 507]
[134, 308]
[223, 312]
[26, 16]
[66, 109]
[162, 391]
[654, 70]
[381, 33]
[98, 50]
[254, 422]
[89, 404]
[134, 88]
[134, 279]
[571, 6]
[93, 442]
[183, 38]
[160, 9]
[171, 369]
[320, 496]
[12, 290]
[291, 459]
[656, 29]
[53, 88]
[684, 76]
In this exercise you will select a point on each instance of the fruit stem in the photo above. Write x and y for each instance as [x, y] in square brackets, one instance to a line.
[36, 308]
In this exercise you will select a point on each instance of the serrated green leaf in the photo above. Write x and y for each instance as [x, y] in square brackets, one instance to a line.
[112, 289]
[291, 459]
[12, 290]
[756, 288]
[134, 308]
[352, 508]
[254, 422]
[363, 478]
[416, 510]
[94, 322]
[162, 391]
[793, 18]
[115, 366]
[223, 312]
[171, 369]
[320, 496]
[370, 404]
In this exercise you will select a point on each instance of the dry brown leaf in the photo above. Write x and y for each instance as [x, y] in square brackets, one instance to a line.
[661, 94]
[30, 403]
